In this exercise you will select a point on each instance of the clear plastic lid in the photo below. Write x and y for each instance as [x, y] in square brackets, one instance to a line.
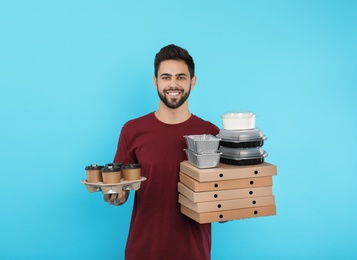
[238, 115]
[242, 135]
[242, 153]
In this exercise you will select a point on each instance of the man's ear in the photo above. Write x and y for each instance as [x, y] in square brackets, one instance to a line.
[155, 81]
[193, 82]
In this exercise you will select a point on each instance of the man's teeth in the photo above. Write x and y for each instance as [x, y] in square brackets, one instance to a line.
[171, 93]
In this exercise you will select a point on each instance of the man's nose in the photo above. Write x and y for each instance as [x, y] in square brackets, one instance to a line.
[173, 82]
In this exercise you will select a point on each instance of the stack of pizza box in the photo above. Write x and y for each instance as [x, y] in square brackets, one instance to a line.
[226, 192]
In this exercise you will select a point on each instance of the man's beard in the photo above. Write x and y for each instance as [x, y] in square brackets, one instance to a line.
[174, 102]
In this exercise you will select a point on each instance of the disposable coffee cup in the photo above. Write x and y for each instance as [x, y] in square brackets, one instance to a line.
[94, 173]
[111, 173]
[131, 172]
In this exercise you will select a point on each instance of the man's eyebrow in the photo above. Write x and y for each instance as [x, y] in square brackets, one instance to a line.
[165, 75]
[181, 74]
[177, 75]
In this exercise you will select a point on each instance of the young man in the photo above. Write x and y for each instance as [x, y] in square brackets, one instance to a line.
[158, 230]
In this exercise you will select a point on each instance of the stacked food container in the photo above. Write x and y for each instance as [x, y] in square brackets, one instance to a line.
[241, 142]
[236, 186]
[202, 150]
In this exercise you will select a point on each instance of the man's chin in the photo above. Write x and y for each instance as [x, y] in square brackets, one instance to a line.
[173, 102]
[173, 106]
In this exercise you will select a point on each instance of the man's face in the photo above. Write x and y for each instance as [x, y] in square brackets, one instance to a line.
[173, 83]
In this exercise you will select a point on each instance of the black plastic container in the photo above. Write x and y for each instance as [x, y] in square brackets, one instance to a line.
[249, 138]
[245, 156]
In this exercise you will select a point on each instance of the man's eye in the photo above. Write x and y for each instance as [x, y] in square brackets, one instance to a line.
[165, 78]
[181, 78]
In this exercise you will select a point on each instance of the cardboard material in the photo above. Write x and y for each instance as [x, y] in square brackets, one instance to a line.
[228, 172]
[229, 214]
[226, 204]
[225, 185]
[113, 187]
[223, 194]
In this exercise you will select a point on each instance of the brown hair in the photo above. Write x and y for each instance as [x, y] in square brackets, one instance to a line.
[173, 52]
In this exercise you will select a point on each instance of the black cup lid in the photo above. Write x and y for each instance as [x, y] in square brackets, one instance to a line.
[118, 164]
[131, 166]
[111, 167]
[94, 167]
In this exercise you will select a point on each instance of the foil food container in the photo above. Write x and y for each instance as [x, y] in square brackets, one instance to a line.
[203, 161]
[202, 144]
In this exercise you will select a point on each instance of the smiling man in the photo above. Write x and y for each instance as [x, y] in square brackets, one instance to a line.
[176, 87]
[156, 141]
[173, 82]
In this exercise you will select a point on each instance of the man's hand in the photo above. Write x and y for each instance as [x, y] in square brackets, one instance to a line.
[117, 198]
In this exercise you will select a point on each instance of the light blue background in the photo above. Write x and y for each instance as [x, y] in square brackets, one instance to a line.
[73, 72]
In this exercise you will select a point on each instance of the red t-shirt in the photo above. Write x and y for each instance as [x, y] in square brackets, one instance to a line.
[158, 230]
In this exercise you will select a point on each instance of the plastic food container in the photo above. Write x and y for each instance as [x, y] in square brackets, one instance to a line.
[241, 138]
[250, 156]
[202, 144]
[203, 160]
[238, 121]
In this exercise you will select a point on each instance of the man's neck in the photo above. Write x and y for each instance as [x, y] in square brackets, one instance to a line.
[172, 116]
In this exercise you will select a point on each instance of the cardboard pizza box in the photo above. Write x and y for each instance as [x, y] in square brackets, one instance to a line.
[227, 172]
[221, 205]
[226, 184]
[226, 215]
[223, 194]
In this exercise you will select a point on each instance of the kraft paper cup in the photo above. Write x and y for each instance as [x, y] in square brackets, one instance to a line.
[131, 172]
[94, 173]
[111, 173]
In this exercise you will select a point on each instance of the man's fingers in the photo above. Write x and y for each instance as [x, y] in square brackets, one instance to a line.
[115, 199]
[106, 197]
[120, 199]
[110, 198]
